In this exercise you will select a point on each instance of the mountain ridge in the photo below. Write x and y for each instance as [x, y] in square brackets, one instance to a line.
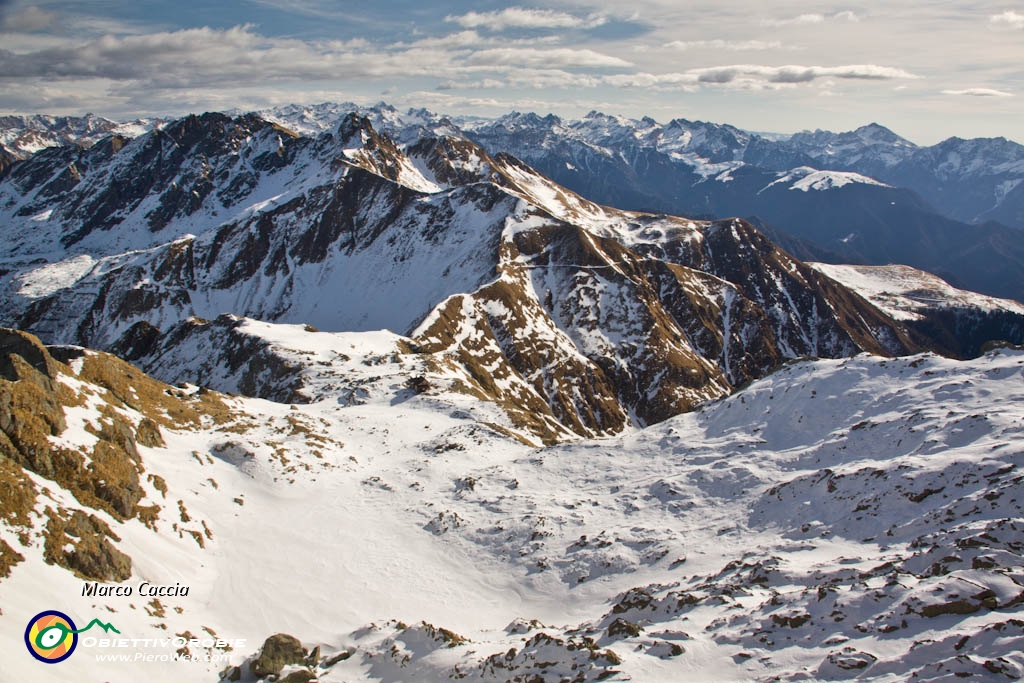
[469, 254]
[963, 191]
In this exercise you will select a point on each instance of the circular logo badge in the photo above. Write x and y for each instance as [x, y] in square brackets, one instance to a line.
[51, 637]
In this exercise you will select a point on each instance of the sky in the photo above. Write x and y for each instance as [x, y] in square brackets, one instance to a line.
[928, 69]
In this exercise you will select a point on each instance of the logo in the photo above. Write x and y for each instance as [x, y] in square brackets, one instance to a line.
[51, 636]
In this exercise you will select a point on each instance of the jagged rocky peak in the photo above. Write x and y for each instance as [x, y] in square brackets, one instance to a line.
[519, 121]
[369, 149]
[715, 142]
[956, 156]
[872, 147]
[876, 133]
[213, 134]
[354, 123]
[446, 160]
[597, 117]
[194, 166]
[453, 161]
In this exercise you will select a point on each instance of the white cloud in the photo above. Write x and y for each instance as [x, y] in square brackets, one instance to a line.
[551, 57]
[670, 81]
[47, 98]
[204, 57]
[1008, 19]
[805, 19]
[797, 74]
[312, 8]
[483, 84]
[207, 68]
[740, 76]
[517, 17]
[202, 68]
[84, 26]
[470, 39]
[454, 40]
[979, 92]
[802, 19]
[29, 19]
[731, 45]
[541, 79]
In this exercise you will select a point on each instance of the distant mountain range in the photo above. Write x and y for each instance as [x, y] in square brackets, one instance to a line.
[861, 197]
[21, 136]
[867, 196]
[972, 181]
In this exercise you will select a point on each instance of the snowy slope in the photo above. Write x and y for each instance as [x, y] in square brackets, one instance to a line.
[961, 323]
[902, 291]
[836, 518]
[253, 460]
[806, 179]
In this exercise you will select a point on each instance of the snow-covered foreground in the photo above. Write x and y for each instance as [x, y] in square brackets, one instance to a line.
[857, 517]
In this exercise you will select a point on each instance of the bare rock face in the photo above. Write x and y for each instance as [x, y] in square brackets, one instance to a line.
[278, 651]
[91, 555]
[223, 357]
[846, 663]
[29, 349]
[36, 390]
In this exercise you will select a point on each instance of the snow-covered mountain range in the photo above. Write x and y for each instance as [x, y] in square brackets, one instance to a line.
[986, 173]
[948, 208]
[877, 200]
[22, 136]
[970, 180]
[522, 285]
[430, 415]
